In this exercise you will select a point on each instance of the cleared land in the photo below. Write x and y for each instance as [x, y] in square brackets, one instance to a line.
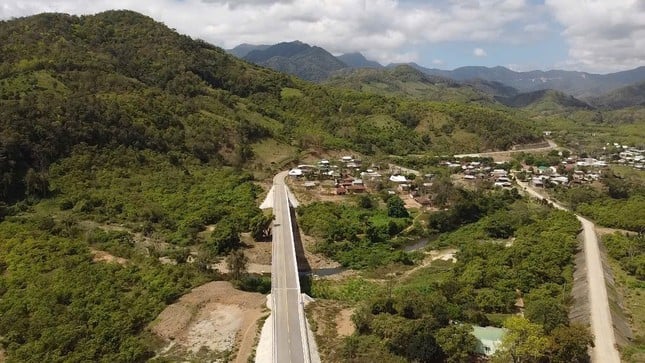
[210, 322]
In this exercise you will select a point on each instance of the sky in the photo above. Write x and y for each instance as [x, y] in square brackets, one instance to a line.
[597, 36]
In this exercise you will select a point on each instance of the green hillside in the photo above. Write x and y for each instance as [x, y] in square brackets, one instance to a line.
[630, 96]
[404, 80]
[119, 78]
[545, 101]
[118, 134]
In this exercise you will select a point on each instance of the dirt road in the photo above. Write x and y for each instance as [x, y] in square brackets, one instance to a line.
[604, 350]
[507, 153]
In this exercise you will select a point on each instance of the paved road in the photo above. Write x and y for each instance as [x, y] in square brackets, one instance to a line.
[604, 350]
[290, 340]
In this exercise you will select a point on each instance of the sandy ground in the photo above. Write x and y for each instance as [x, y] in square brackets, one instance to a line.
[332, 321]
[508, 154]
[410, 202]
[344, 325]
[444, 255]
[102, 256]
[253, 268]
[211, 319]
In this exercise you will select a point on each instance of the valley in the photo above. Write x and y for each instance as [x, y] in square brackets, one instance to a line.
[134, 162]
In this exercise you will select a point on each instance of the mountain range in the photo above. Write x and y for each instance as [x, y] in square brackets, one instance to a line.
[316, 64]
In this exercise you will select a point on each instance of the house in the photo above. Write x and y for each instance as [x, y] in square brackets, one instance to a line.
[537, 182]
[370, 175]
[398, 179]
[499, 173]
[404, 187]
[295, 172]
[341, 191]
[424, 201]
[560, 180]
[356, 188]
[489, 339]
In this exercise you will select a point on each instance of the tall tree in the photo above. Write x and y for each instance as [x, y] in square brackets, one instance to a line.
[523, 342]
[261, 226]
[396, 208]
[570, 344]
[457, 343]
[237, 263]
[225, 237]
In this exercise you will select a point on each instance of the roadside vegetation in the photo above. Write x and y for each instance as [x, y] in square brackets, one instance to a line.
[627, 262]
[617, 202]
[514, 255]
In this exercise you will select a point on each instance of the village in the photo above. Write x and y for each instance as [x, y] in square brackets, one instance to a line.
[350, 175]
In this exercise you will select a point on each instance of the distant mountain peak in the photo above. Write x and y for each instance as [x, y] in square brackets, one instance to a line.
[358, 60]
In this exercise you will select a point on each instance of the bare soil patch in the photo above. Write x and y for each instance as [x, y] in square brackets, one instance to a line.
[316, 260]
[410, 202]
[102, 256]
[210, 323]
[344, 325]
[331, 323]
[604, 230]
[257, 252]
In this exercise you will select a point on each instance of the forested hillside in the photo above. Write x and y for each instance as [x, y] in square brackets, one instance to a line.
[118, 134]
[404, 80]
[119, 78]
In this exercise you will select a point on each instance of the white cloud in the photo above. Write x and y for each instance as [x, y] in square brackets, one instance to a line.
[378, 27]
[437, 62]
[602, 35]
[479, 52]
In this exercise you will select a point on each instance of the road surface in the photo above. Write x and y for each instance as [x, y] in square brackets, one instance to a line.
[604, 350]
[552, 145]
[290, 342]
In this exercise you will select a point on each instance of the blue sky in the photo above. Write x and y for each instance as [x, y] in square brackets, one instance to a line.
[598, 36]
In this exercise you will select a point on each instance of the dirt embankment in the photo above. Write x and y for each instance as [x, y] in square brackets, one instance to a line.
[212, 322]
[331, 323]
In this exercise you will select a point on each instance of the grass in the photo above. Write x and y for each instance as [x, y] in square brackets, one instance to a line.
[288, 92]
[422, 279]
[383, 121]
[633, 292]
[353, 289]
[322, 315]
[269, 151]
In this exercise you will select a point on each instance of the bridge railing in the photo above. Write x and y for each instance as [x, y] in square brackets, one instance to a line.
[301, 306]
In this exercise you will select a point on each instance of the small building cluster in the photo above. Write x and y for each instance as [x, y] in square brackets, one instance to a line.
[628, 155]
[493, 172]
